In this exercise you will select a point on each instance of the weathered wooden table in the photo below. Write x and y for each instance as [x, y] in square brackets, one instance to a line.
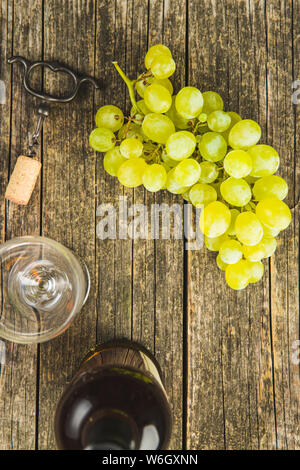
[230, 359]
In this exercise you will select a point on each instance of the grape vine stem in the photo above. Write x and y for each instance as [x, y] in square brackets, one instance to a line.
[129, 84]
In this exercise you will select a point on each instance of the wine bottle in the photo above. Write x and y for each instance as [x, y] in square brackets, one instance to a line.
[116, 401]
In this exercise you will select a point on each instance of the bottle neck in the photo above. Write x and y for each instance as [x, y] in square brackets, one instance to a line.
[109, 433]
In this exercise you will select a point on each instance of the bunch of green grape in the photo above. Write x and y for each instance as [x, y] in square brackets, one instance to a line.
[187, 144]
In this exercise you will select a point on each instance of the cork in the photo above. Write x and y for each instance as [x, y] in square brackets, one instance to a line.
[22, 180]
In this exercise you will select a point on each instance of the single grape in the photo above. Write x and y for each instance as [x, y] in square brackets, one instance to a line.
[131, 172]
[218, 121]
[212, 101]
[208, 172]
[236, 191]
[264, 249]
[244, 134]
[270, 186]
[234, 213]
[231, 251]
[256, 271]
[180, 145]
[202, 194]
[102, 139]
[214, 243]
[132, 130]
[265, 160]
[179, 121]
[131, 148]
[109, 116]
[212, 146]
[238, 163]
[113, 160]
[143, 82]
[187, 172]
[248, 228]
[157, 98]
[167, 160]
[158, 127]
[220, 263]
[171, 184]
[238, 275]
[235, 117]
[214, 219]
[154, 177]
[273, 213]
[163, 66]
[154, 52]
[143, 108]
[189, 102]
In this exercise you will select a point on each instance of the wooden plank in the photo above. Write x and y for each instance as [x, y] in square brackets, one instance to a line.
[69, 192]
[167, 25]
[283, 130]
[230, 390]
[18, 396]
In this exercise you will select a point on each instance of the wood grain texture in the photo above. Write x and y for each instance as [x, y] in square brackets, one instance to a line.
[229, 358]
[18, 394]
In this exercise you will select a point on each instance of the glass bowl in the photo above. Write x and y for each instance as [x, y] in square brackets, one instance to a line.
[43, 286]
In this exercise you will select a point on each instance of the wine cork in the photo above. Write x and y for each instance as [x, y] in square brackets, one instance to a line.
[22, 180]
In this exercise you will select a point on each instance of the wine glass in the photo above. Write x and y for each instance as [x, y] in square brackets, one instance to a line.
[43, 286]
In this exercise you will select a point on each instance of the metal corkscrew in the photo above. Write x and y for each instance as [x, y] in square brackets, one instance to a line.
[27, 168]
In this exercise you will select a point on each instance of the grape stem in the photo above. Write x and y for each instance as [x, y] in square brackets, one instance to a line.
[129, 86]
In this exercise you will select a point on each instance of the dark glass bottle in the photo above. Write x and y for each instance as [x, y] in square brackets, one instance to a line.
[116, 400]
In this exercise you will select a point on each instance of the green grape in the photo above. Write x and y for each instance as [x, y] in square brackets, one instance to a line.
[131, 172]
[144, 110]
[220, 263]
[214, 219]
[214, 243]
[270, 231]
[186, 196]
[212, 101]
[235, 117]
[273, 213]
[189, 102]
[154, 52]
[178, 120]
[102, 139]
[236, 191]
[234, 213]
[133, 131]
[154, 177]
[237, 275]
[248, 228]
[171, 184]
[212, 146]
[265, 160]
[244, 134]
[218, 121]
[131, 148]
[112, 161]
[180, 145]
[231, 251]
[264, 249]
[143, 82]
[167, 160]
[208, 172]
[109, 116]
[157, 98]
[256, 271]
[238, 163]
[163, 66]
[202, 194]
[270, 186]
[187, 172]
[158, 127]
